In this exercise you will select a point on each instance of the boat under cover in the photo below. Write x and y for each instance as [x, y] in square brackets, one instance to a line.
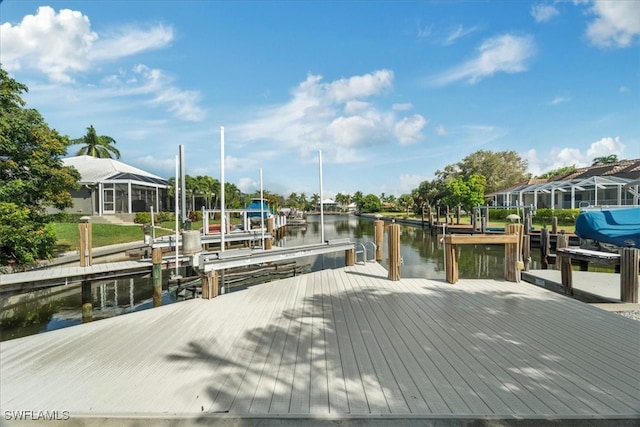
[616, 226]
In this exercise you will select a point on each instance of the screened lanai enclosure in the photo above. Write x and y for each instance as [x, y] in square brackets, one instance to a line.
[616, 184]
[109, 187]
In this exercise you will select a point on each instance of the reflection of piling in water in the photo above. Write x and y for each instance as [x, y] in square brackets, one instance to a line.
[87, 307]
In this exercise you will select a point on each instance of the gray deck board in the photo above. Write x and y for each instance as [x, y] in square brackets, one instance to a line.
[340, 342]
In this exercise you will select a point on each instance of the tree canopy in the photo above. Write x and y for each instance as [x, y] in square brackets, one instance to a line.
[500, 169]
[32, 177]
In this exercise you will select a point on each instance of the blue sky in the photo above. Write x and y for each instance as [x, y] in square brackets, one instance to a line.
[390, 91]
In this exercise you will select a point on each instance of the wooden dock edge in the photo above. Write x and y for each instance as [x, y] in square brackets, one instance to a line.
[285, 420]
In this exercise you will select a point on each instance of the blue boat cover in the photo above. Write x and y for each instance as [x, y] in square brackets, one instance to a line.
[618, 227]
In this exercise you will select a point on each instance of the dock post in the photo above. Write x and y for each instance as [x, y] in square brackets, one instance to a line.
[378, 236]
[394, 252]
[527, 224]
[629, 259]
[554, 225]
[544, 247]
[451, 262]
[562, 241]
[526, 251]
[566, 273]
[156, 274]
[268, 243]
[350, 257]
[210, 285]
[86, 257]
[519, 230]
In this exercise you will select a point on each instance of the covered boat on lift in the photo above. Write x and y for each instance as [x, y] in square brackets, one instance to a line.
[609, 228]
[256, 207]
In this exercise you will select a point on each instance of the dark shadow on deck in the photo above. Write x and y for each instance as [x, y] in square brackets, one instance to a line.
[376, 349]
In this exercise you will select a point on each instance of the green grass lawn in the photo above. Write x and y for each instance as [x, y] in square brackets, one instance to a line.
[68, 235]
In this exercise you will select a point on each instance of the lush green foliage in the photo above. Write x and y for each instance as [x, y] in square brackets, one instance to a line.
[31, 176]
[542, 216]
[145, 217]
[558, 172]
[23, 239]
[369, 204]
[466, 192]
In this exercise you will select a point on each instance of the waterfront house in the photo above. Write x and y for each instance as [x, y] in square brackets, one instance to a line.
[610, 184]
[110, 187]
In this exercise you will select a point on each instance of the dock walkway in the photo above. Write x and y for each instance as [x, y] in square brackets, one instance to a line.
[337, 346]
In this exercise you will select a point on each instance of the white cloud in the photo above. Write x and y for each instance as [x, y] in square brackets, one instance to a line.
[605, 147]
[59, 44]
[568, 156]
[402, 107]
[543, 12]
[410, 181]
[559, 100]
[339, 117]
[130, 41]
[616, 23]
[142, 80]
[248, 185]
[360, 86]
[508, 53]
[458, 33]
[441, 131]
[409, 129]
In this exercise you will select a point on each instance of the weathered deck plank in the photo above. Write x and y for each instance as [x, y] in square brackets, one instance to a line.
[342, 342]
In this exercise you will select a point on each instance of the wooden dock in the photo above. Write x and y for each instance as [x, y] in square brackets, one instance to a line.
[35, 279]
[337, 346]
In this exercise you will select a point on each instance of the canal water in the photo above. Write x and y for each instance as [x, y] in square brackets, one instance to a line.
[55, 308]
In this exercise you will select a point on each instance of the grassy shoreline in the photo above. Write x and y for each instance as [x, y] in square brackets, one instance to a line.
[68, 236]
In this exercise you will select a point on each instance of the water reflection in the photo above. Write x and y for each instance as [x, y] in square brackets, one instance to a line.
[56, 308]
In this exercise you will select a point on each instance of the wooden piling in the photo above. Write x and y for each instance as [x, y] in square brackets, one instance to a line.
[554, 225]
[526, 251]
[378, 237]
[544, 247]
[350, 257]
[562, 241]
[566, 273]
[156, 275]
[210, 285]
[629, 260]
[268, 243]
[394, 251]
[86, 256]
[527, 224]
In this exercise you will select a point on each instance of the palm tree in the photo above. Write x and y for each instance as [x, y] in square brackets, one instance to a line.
[96, 146]
[603, 160]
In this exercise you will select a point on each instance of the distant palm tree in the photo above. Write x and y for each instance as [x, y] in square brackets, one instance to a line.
[96, 146]
[612, 158]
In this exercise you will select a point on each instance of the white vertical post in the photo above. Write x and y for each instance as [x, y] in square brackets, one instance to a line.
[262, 208]
[153, 226]
[321, 204]
[177, 211]
[223, 225]
[183, 198]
